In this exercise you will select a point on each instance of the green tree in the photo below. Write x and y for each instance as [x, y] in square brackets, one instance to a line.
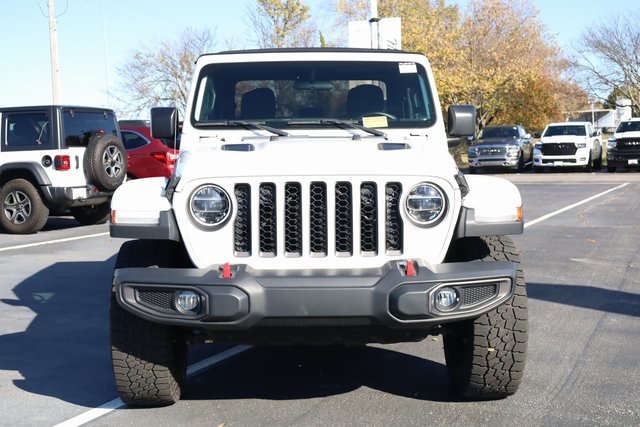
[161, 74]
[282, 23]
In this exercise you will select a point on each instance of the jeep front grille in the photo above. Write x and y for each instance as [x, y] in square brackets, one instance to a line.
[307, 227]
[559, 149]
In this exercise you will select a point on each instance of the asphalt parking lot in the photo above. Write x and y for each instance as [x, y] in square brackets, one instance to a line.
[581, 252]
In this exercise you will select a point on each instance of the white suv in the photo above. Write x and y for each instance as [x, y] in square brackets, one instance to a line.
[58, 160]
[568, 144]
[315, 202]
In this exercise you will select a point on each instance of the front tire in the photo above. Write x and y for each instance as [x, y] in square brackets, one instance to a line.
[23, 211]
[486, 356]
[149, 359]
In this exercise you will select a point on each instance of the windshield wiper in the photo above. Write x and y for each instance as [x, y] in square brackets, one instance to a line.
[245, 124]
[341, 124]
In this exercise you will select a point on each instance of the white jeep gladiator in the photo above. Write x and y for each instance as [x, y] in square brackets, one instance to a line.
[315, 202]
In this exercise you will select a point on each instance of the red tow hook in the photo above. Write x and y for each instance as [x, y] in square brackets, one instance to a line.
[410, 269]
[225, 271]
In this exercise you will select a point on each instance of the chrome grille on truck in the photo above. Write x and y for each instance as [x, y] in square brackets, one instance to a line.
[306, 227]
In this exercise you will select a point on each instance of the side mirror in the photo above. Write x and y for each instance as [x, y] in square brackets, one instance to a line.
[536, 135]
[164, 123]
[461, 120]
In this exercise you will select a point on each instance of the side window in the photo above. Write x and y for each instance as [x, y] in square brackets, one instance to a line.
[27, 131]
[132, 139]
[80, 126]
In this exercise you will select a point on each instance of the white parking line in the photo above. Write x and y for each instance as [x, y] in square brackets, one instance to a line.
[194, 369]
[566, 208]
[198, 367]
[51, 242]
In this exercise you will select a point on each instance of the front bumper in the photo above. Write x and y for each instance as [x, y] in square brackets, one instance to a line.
[623, 159]
[493, 162]
[239, 299]
[561, 161]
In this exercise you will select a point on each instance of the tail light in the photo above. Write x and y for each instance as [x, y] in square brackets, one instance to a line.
[166, 157]
[62, 163]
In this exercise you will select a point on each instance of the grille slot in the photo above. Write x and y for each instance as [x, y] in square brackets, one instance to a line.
[157, 298]
[476, 294]
[318, 219]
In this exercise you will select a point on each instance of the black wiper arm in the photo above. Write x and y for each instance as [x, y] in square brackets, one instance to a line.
[247, 124]
[342, 123]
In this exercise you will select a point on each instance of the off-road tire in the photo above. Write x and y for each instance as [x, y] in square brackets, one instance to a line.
[105, 162]
[589, 166]
[486, 356]
[23, 211]
[92, 214]
[149, 359]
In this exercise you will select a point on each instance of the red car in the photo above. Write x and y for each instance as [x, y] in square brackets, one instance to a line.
[146, 156]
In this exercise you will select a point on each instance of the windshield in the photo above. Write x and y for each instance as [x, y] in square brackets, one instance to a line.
[565, 130]
[499, 132]
[281, 94]
[630, 126]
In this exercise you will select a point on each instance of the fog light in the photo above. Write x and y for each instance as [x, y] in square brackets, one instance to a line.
[446, 299]
[188, 301]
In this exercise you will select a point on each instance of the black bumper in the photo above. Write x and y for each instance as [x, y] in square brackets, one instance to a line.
[63, 197]
[248, 299]
[623, 159]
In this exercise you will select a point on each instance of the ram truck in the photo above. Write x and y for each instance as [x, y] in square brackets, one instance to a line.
[315, 202]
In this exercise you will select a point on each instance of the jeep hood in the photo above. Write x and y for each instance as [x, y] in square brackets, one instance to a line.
[316, 156]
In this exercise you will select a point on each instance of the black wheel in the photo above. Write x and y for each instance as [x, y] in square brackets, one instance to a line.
[105, 162]
[92, 214]
[611, 168]
[597, 163]
[521, 164]
[486, 356]
[149, 359]
[588, 167]
[23, 211]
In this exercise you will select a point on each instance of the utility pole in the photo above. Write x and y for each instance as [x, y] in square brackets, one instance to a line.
[53, 42]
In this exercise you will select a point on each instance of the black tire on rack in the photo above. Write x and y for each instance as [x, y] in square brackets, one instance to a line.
[149, 359]
[486, 356]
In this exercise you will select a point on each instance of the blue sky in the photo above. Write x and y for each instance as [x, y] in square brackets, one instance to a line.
[95, 38]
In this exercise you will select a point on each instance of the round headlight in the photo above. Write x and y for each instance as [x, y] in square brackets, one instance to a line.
[209, 205]
[425, 204]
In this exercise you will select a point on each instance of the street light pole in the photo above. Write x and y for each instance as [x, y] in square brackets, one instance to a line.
[53, 42]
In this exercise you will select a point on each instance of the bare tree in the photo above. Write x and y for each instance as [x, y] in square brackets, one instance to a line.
[282, 23]
[610, 58]
[161, 74]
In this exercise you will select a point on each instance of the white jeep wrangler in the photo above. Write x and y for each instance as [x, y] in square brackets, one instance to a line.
[315, 202]
[58, 160]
